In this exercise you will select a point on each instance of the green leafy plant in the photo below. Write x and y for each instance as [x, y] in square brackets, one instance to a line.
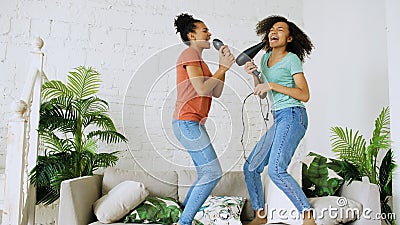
[315, 177]
[315, 180]
[351, 146]
[72, 121]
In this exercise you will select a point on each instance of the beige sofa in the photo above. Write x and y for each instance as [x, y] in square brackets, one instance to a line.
[79, 194]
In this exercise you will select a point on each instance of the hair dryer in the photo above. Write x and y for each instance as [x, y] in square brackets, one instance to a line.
[249, 54]
[246, 55]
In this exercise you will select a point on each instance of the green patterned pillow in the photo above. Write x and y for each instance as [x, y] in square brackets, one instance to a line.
[220, 210]
[163, 210]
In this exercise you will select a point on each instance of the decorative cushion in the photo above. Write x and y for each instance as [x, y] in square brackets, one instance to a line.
[320, 177]
[119, 201]
[158, 183]
[331, 210]
[162, 210]
[232, 183]
[220, 210]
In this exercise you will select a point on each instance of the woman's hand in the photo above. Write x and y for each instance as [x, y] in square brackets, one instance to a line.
[262, 89]
[249, 67]
[226, 59]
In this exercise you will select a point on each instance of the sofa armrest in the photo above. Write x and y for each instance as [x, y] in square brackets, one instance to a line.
[76, 199]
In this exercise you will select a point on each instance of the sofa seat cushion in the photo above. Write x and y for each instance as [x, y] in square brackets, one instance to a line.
[120, 223]
[335, 210]
[232, 183]
[158, 183]
[99, 223]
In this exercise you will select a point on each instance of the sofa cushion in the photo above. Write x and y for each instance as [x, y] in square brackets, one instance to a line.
[119, 201]
[221, 210]
[162, 210]
[335, 210]
[158, 183]
[231, 184]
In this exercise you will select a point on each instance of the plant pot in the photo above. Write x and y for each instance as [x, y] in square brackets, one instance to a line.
[368, 195]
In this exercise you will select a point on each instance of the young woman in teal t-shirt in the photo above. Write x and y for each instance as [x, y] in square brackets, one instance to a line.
[282, 74]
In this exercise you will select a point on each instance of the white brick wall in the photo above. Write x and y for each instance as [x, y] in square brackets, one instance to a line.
[116, 37]
[132, 44]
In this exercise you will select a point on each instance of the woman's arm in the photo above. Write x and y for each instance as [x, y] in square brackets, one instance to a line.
[202, 86]
[300, 92]
[217, 92]
[250, 67]
[214, 84]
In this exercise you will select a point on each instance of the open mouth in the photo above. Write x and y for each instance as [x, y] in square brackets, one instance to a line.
[273, 38]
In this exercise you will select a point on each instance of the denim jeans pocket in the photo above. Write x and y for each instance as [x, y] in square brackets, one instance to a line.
[192, 135]
[302, 115]
[190, 130]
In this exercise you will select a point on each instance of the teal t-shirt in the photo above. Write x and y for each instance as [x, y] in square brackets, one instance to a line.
[282, 73]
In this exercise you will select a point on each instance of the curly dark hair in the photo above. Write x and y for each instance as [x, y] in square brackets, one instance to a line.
[301, 44]
[184, 24]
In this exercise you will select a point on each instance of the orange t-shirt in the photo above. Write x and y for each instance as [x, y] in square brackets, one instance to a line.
[189, 105]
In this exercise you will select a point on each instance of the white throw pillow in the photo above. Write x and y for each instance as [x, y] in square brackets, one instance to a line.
[119, 201]
[332, 210]
[220, 210]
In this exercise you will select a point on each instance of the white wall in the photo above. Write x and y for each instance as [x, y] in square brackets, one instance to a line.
[119, 38]
[347, 71]
[393, 32]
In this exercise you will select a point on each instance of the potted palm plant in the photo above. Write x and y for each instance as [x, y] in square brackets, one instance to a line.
[72, 121]
[351, 146]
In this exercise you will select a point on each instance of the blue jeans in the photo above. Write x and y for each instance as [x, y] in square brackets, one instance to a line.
[194, 138]
[290, 127]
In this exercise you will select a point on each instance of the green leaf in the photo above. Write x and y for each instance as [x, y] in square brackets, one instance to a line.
[103, 160]
[344, 169]
[197, 222]
[99, 119]
[58, 114]
[55, 89]
[350, 147]
[385, 173]
[91, 105]
[108, 136]
[382, 123]
[315, 179]
[52, 143]
[84, 82]
[90, 146]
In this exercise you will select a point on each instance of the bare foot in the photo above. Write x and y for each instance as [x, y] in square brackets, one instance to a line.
[309, 222]
[309, 218]
[260, 218]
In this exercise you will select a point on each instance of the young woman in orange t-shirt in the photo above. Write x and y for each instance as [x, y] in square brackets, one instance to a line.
[196, 86]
